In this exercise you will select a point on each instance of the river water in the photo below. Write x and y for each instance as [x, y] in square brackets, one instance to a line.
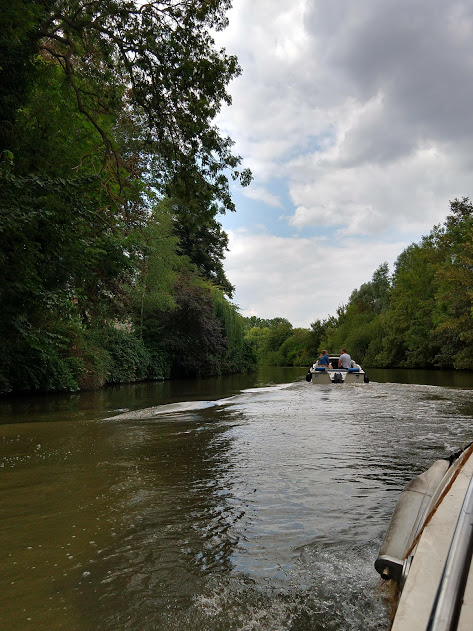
[249, 503]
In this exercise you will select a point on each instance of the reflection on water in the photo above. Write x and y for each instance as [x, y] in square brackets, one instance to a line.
[211, 505]
[445, 378]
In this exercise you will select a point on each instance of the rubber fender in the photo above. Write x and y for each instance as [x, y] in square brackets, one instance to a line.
[407, 519]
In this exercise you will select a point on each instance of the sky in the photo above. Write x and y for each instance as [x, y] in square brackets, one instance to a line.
[356, 119]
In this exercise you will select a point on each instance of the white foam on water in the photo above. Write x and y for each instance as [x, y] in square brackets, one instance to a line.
[168, 408]
[190, 406]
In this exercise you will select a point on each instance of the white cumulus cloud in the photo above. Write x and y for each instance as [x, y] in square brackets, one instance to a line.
[362, 111]
[301, 279]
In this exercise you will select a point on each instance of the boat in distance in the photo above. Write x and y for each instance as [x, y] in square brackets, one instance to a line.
[428, 547]
[333, 374]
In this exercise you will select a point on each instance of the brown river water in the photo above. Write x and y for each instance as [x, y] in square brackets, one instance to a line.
[243, 503]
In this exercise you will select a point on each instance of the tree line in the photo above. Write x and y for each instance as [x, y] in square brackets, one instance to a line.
[421, 316]
[112, 177]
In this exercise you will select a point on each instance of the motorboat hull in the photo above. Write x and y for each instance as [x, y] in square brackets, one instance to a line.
[335, 376]
[428, 548]
[326, 375]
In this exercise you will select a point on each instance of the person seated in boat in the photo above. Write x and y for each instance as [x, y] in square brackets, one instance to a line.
[344, 360]
[324, 360]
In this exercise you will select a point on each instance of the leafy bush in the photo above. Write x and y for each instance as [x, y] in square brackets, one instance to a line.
[39, 362]
[128, 358]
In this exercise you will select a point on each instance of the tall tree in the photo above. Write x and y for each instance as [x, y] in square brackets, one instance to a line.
[19, 44]
[453, 313]
[132, 90]
[155, 64]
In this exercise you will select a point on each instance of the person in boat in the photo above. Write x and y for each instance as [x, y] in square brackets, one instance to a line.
[344, 360]
[324, 360]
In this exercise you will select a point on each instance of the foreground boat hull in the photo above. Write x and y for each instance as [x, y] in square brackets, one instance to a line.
[428, 548]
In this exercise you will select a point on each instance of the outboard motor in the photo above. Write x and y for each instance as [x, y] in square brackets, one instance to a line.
[308, 377]
[337, 378]
[366, 379]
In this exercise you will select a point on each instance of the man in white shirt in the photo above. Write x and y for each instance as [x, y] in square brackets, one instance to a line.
[345, 360]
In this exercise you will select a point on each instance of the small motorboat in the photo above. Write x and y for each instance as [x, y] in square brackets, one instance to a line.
[333, 374]
[427, 550]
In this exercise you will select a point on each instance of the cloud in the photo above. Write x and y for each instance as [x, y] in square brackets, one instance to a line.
[301, 279]
[377, 198]
[259, 193]
[370, 84]
[363, 111]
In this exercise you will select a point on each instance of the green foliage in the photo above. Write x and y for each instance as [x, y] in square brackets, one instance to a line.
[158, 265]
[19, 22]
[239, 354]
[128, 358]
[358, 324]
[409, 341]
[38, 363]
[373, 297]
[38, 357]
[258, 340]
[178, 80]
[112, 173]
[423, 315]
[299, 349]
[319, 331]
[200, 235]
[112, 176]
[453, 312]
[190, 333]
[274, 342]
[266, 339]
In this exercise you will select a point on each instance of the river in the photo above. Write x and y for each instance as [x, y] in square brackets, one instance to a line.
[242, 503]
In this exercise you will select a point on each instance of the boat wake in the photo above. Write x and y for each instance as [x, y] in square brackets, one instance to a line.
[192, 406]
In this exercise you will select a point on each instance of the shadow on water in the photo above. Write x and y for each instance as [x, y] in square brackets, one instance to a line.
[443, 378]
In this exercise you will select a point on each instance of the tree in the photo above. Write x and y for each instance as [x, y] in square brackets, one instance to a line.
[258, 338]
[191, 334]
[132, 91]
[453, 312]
[357, 326]
[20, 21]
[299, 349]
[158, 266]
[155, 66]
[266, 339]
[373, 296]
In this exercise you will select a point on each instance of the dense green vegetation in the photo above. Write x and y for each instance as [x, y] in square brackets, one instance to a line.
[275, 342]
[112, 176]
[420, 317]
